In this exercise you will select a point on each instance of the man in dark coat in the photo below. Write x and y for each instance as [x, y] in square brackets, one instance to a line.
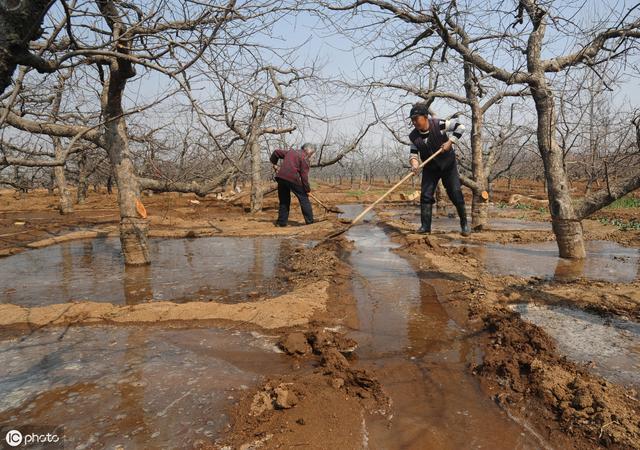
[293, 176]
[429, 135]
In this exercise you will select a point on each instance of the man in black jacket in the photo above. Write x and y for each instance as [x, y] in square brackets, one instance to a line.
[427, 137]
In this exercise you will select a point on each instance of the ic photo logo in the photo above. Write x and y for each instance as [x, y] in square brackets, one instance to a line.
[13, 438]
[10, 5]
[41, 437]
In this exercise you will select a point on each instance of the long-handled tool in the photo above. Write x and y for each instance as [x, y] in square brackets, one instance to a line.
[332, 209]
[382, 197]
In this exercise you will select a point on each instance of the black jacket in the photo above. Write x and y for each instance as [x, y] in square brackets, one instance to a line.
[427, 146]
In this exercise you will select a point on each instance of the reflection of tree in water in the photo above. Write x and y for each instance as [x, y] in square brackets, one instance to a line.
[66, 255]
[87, 263]
[188, 251]
[569, 268]
[129, 415]
[136, 284]
[255, 275]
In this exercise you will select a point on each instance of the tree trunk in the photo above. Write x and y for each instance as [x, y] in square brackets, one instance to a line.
[20, 23]
[441, 199]
[83, 183]
[479, 208]
[256, 178]
[51, 186]
[66, 203]
[133, 228]
[566, 225]
[479, 211]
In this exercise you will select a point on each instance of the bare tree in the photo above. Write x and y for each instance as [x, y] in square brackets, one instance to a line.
[20, 23]
[132, 38]
[451, 27]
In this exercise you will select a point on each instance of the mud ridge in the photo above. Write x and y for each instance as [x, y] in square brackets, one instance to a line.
[523, 361]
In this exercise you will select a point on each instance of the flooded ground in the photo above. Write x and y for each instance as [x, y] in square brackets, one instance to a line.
[222, 269]
[452, 223]
[135, 387]
[420, 354]
[610, 347]
[606, 260]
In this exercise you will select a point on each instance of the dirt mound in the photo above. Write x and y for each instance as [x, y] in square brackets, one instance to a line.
[317, 341]
[522, 361]
[319, 406]
[318, 262]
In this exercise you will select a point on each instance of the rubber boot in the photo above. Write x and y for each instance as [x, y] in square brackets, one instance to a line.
[425, 219]
[465, 230]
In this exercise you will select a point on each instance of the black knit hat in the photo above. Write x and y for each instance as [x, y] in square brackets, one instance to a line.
[419, 109]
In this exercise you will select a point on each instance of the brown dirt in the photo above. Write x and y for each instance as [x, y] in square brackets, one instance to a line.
[291, 309]
[320, 405]
[32, 221]
[524, 362]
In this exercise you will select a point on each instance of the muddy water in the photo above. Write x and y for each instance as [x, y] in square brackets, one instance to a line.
[610, 347]
[608, 261]
[421, 355]
[223, 269]
[447, 223]
[135, 387]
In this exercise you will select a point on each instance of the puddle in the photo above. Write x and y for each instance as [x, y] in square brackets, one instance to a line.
[421, 356]
[606, 260]
[610, 347]
[223, 269]
[446, 223]
[136, 387]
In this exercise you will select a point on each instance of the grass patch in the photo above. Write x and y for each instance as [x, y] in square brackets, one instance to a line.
[625, 202]
[620, 224]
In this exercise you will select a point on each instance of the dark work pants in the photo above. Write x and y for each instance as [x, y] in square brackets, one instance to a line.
[285, 188]
[431, 174]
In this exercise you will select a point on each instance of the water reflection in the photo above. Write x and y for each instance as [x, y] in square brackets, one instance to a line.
[605, 260]
[135, 387]
[221, 269]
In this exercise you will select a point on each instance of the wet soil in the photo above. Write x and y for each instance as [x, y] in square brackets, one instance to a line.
[528, 373]
[320, 404]
[421, 348]
[32, 220]
[609, 346]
